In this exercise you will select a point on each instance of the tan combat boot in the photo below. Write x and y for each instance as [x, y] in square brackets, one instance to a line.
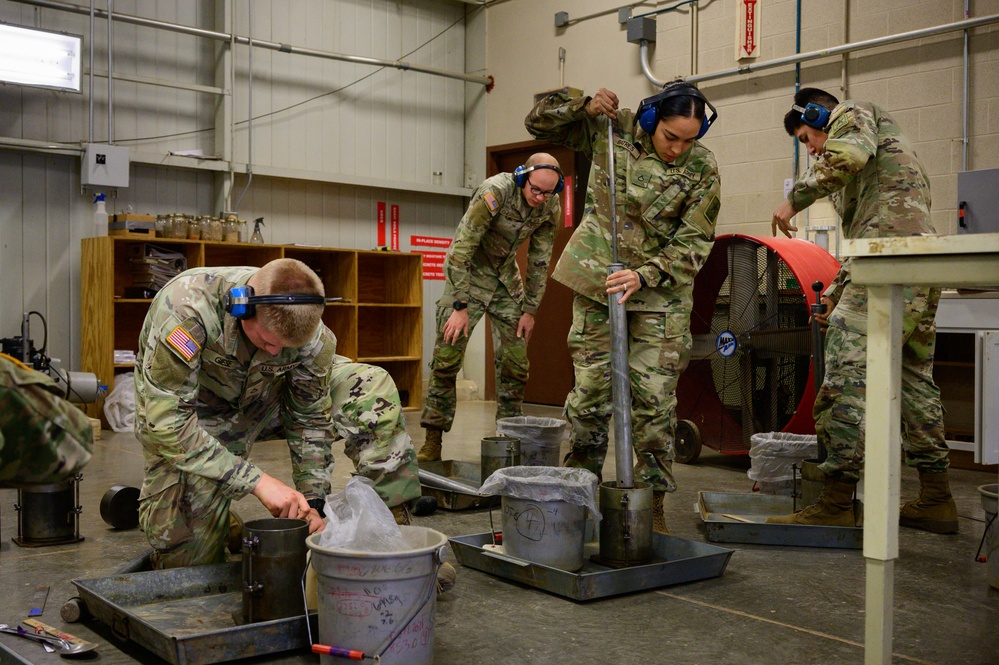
[401, 514]
[658, 513]
[446, 576]
[834, 507]
[935, 509]
[431, 450]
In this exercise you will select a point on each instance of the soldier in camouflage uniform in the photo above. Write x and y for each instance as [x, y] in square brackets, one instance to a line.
[43, 437]
[482, 277]
[209, 384]
[668, 189]
[880, 190]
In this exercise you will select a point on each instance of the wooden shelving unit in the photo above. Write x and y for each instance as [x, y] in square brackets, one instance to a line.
[380, 321]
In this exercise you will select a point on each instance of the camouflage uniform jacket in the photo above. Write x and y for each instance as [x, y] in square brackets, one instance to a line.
[870, 171]
[484, 252]
[43, 437]
[219, 378]
[666, 212]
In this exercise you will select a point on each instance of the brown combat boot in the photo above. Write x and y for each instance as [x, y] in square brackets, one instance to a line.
[658, 513]
[431, 450]
[401, 514]
[834, 507]
[446, 577]
[935, 509]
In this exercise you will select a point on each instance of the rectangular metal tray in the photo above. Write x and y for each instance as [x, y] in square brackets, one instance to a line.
[675, 561]
[741, 518]
[187, 616]
[468, 473]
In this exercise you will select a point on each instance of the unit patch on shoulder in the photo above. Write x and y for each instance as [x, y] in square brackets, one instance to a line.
[490, 200]
[183, 343]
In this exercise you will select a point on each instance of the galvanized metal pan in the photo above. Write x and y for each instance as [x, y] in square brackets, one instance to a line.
[675, 561]
[186, 615]
[741, 518]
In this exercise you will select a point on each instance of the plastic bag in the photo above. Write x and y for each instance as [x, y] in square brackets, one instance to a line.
[545, 483]
[360, 521]
[775, 453]
[540, 438]
[119, 405]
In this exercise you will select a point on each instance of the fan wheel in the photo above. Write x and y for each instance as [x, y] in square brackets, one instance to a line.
[751, 364]
[686, 442]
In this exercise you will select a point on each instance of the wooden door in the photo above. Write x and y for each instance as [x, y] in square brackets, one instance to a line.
[551, 376]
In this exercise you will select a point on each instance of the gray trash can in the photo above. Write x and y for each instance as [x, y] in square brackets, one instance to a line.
[990, 501]
[540, 438]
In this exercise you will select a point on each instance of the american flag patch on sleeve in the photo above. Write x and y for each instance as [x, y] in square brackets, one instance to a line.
[490, 200]
[182, 341]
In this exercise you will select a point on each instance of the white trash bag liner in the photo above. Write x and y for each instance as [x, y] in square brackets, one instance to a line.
[545, 483]
[359, 521]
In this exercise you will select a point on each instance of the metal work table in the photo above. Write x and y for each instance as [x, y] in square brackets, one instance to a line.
[884, 265]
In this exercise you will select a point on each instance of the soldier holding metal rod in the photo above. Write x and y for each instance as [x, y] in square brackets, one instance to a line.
[667, 198]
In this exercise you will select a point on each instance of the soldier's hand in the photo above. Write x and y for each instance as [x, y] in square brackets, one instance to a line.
[281, 500]
[823, 318]
[603, 101]
[625, 282]
[526, 326]
[316, 522]
[782, 219]
[456, 324]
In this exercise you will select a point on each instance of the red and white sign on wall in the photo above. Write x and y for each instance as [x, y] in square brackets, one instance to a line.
[388, 237]
[747, 39]
[433, 259]
[394, 229]
[381, 223]
[567, 208]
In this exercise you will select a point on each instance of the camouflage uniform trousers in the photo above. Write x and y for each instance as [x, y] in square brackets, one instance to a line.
[841, 402]
[188, 523]
[43, 437]
[509, 356]
[659, 349]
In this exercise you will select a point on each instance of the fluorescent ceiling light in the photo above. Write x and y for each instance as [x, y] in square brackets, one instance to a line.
[40, 58]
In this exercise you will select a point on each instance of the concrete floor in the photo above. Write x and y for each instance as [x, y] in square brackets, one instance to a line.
[772, 605]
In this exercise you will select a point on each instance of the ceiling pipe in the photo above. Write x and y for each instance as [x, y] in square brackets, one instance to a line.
[813, 55]
[271, 46]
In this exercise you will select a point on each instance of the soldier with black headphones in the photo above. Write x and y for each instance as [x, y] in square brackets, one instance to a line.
[232, 355]
[482, 278]
[869, 169]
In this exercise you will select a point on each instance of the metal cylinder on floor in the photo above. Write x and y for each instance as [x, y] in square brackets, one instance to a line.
[626, 527]
[499, 452]
[49, 514]
[274, 560]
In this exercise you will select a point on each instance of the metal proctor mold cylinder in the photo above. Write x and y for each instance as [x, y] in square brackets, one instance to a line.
[274, 560]
[626, 527]
[499, 452]
[48, 514]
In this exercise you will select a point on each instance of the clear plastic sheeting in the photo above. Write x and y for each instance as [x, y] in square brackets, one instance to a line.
[359, 521]
[545, 483]
[119, 405]
[540, 438]
[774, 455]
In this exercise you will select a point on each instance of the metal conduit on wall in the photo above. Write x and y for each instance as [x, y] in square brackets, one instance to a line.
[258, 43]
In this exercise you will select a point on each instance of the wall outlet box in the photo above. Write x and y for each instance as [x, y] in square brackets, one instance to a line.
[104, 165]
[788, 184]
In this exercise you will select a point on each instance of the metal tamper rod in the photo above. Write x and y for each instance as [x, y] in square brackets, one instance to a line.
[620, 383]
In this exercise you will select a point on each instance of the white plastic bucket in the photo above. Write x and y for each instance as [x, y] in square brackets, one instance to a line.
[380, 602]
[549, 533]
[990, 504]
[540, 438]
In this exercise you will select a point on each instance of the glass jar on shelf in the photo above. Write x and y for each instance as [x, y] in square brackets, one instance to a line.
[176, 226]
[193, 228]
[230, 229]
[244, 232]
[160, 225]
[211, 229]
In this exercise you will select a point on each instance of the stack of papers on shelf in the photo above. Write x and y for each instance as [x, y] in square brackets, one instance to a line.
[153, 266]
[124, 356]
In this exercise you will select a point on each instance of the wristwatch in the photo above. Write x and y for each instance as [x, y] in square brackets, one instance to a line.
[458, 305]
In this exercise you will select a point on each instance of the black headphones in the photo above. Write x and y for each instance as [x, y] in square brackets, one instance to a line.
[813, 115]
[647, 116]
[242, 304]
[520, 175]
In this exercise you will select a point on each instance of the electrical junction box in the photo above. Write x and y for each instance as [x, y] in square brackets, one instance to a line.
[567, 90]
[104, 165]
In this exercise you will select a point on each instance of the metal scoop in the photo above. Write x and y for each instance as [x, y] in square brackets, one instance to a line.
[64, 647]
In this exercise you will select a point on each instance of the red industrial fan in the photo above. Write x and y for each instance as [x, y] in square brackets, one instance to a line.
[751, 365]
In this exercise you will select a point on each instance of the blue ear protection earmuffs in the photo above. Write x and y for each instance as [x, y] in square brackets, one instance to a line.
[813, 115]
[242, 304]
[520, 175]
[647, 116]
